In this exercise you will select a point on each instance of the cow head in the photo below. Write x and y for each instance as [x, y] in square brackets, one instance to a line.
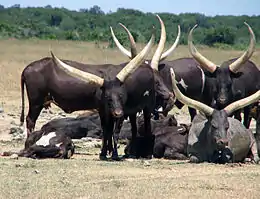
[225, 73]
[217, 120]
[113, 92]
[164, 97]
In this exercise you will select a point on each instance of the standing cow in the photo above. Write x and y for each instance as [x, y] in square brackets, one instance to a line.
[216, 137]
[187, 70]
[46, 83]
[130, 91]
[234, 79]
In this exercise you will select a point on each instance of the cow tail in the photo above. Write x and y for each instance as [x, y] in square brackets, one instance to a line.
[22, 95]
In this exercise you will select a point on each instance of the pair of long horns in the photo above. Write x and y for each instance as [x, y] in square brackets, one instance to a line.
[158, 55]
[207, 110]
[210, 66]
[122, 75]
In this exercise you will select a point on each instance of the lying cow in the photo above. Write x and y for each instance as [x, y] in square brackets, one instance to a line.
[216, 137]
[170, 140]
[53, 140]
[75, 128]
[46, 145]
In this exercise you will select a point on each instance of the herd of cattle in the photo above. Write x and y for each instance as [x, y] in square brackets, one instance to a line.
[119, 92]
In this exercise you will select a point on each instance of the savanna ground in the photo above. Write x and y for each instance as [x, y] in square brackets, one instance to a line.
[84, 176]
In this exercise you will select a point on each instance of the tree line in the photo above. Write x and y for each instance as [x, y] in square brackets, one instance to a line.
[93, 25]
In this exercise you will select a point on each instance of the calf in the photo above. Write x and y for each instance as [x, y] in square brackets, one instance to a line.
[216, 137]
[170, 140]
[46, 145]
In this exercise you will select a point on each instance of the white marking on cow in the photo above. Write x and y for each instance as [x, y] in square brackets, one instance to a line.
[228, 156]
[183, 84]
[45, 140]
[58, 145]
[203, 79]
[180, 129]
[146, 62]
[146, 93]
[139, 114]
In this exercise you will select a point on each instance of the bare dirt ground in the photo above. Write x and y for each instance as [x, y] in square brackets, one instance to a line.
[84, 176]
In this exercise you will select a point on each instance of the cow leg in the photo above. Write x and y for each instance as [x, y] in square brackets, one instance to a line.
[174, 155]
[247, 119]
[254, 146]
[32, 116]
[107, 129]
[159, 150]
[148, 137]
[257, 133]
[130, 151]
[156, 114]
[118, 126]
[192, 112]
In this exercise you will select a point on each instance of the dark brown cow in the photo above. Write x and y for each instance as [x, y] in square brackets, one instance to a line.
[170, 139]
[46, 83]
[131, 90]
[187, 69]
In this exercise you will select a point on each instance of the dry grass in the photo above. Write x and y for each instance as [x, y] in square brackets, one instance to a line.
[85, 176]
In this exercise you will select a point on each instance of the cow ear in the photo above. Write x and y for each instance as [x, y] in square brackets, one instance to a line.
[161, 66]
[172, 121]
[235, 75]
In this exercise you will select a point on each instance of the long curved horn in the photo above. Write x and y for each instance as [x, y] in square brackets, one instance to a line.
[84, 76]
[173, 47]
[159, 50]
[132, 41]
[203, 61]
[120, 47]
[137, 61]
[189, 102]
[234, 67]
[242, 103]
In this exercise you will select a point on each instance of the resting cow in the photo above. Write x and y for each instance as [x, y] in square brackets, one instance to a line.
[40, 144]
[75, 128]
[170, 140]
[216, 137]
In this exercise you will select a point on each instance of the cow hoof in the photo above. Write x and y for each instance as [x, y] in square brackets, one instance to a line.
[256, 160]
[102, 157]
[194, 159]
[126, 156]
[116, 158]
[148, 157]
[69, 154]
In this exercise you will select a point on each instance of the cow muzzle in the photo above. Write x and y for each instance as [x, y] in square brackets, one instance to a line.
[222, 143]
[117, 113]
[222, 100]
